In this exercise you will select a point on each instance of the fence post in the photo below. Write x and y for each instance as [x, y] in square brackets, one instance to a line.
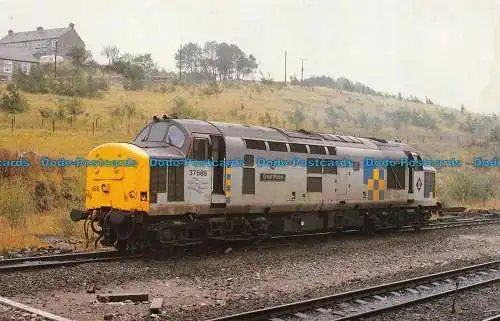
[93, 128]
[53, 125]
[12, 121]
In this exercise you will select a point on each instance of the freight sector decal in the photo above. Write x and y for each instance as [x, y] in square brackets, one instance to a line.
[373, 177]
[272, 177]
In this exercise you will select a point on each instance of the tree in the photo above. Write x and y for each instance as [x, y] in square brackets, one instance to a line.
[145, 61]
[80, 56]
[495, 134]
[112, 53]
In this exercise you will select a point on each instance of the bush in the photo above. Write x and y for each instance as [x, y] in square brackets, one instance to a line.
[167, 89]
[71, 81]
[183, 110]
[12, 101]
[466, 187]
[212, 89]
[36, 82]
[15, 200]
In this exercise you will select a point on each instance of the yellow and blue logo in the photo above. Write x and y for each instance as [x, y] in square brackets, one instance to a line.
[373, 177]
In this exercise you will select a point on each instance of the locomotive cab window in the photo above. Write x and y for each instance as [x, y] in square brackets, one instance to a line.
[157, 132]
[175, 136]
[332, 150]
[200, 149]
[143, 134]
[356, 166]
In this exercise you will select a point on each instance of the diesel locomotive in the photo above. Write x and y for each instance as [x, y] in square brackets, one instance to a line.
[150, 204]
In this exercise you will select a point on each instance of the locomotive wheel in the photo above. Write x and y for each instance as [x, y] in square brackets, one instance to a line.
[121, 245]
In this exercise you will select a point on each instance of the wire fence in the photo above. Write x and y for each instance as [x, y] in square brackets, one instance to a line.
[99, 126]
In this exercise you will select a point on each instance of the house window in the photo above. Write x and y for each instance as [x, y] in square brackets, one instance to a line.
[7, 66]
[54, 43]
[45, 44]
[36, 44]
[25, 68]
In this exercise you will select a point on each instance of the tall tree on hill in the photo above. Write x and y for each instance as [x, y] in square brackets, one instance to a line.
[112, 53]
[216, 60]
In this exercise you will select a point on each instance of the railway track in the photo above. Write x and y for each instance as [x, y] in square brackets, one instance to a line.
[432, 226]
[373, 300]
[47, 261]
[33, 312]
[493, 318]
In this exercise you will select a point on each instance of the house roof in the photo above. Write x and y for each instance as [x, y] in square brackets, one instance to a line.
[18, 54]
[35, 35]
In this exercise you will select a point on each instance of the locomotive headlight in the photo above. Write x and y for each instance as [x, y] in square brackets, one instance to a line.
[301, 223]
[105, 188]
[131, 194]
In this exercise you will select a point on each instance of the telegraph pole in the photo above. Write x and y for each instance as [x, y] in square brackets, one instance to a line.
[302, 71]
[55, 61]
[285, 67]
[180, 63]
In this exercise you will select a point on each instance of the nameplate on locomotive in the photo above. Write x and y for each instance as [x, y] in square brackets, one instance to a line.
[272, 177]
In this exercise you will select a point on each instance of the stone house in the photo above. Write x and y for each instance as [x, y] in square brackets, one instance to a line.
[12, 59]
[18, 48]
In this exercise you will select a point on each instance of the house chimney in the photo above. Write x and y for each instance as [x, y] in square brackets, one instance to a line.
[11, 32]
[39, 28]
[72, 26]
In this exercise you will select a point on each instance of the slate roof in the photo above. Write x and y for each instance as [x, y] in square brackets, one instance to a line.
[35, 35]
[17, 54]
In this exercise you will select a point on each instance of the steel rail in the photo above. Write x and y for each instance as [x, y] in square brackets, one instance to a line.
[92, 254]
[493, 318]
[38, 312]
[66, 260]
[300, 309]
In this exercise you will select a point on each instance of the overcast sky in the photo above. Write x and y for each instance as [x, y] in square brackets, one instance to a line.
[444, 49]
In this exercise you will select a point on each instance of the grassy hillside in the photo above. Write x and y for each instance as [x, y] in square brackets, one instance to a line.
[57, 126]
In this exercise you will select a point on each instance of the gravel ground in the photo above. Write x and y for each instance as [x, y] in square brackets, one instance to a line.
[472, 305]
[202, 287]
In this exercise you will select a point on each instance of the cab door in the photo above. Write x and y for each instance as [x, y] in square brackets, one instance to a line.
[199, 176]
[342, 183]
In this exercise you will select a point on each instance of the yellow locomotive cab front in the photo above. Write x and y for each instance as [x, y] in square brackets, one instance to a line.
[120, 179]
